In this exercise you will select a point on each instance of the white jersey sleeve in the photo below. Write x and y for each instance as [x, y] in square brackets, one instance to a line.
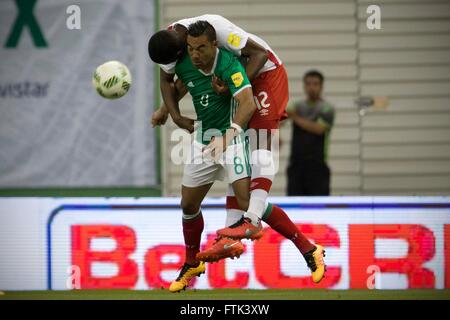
[168, 68]
[229, 36]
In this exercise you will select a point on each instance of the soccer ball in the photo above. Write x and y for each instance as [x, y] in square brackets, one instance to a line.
[112, 80]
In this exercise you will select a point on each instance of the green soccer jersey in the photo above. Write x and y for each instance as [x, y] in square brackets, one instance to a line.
[214, 111]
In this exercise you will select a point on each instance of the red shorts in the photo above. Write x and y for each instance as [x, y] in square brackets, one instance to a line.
[271, 91]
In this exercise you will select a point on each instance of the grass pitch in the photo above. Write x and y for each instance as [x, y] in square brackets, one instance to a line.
[229, 294]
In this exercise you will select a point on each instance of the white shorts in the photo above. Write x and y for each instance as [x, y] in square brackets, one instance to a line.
[235, 164]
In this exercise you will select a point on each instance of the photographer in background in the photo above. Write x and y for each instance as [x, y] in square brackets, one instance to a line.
[308, 171]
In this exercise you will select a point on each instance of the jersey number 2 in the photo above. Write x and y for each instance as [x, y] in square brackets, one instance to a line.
[261, 99]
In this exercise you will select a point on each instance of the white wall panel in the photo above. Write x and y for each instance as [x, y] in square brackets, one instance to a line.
[406, 149]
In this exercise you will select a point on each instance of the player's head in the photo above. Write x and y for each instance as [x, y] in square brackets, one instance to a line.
[201, 44]
[313, 84]
[165, 47]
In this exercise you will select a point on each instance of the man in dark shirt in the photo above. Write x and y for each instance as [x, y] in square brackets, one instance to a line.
[308, 172]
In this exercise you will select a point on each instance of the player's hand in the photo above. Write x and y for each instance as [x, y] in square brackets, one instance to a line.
[185, 123]
[218, 145]
[219, 86]
[159, 118]
[215, 148]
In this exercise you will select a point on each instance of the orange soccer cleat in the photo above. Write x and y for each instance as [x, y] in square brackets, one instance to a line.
[221, 249]
[243, 229]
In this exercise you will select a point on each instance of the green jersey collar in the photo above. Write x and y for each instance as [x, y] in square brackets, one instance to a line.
[214, 65]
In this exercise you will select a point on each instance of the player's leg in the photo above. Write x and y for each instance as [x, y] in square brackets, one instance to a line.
[239, 170]
[237, 166]
[274, 92]
[225, 247]
[235, 209]
[271, 92]
[243, 225]
[279, 221]
[263, 173]
[191, 199]
[242, 190]
[198, 177]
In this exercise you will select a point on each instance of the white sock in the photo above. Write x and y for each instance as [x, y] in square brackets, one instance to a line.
[233, 216]
[262, 167]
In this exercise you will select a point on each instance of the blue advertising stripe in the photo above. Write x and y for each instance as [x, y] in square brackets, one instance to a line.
[369, 205]
[315, 206]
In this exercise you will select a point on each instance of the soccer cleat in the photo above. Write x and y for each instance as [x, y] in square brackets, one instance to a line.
[316, 264]
[243, 229]
[221, 249]
[187, 273]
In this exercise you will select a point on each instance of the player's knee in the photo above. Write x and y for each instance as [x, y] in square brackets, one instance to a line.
[189, 207]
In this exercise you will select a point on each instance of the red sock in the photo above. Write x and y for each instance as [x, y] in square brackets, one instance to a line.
[192, 232]
[280, 222]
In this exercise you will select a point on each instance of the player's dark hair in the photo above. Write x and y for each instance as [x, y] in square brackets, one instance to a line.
[200, 28]
[164, 47]
[314, 73]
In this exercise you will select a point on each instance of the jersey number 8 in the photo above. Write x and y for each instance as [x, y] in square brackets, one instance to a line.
[204, 100]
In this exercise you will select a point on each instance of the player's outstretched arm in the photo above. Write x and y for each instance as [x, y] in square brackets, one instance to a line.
[170, 98]
[160, 116]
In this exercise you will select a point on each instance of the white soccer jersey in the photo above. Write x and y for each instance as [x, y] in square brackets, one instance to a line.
[230, 37]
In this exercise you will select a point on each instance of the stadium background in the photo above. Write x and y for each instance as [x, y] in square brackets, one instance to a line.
[403, 150]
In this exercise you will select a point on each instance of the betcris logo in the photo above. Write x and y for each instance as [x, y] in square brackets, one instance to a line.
[384, 246]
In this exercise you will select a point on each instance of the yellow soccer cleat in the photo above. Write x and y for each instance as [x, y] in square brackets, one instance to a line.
[316, 264]
[187, 273]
